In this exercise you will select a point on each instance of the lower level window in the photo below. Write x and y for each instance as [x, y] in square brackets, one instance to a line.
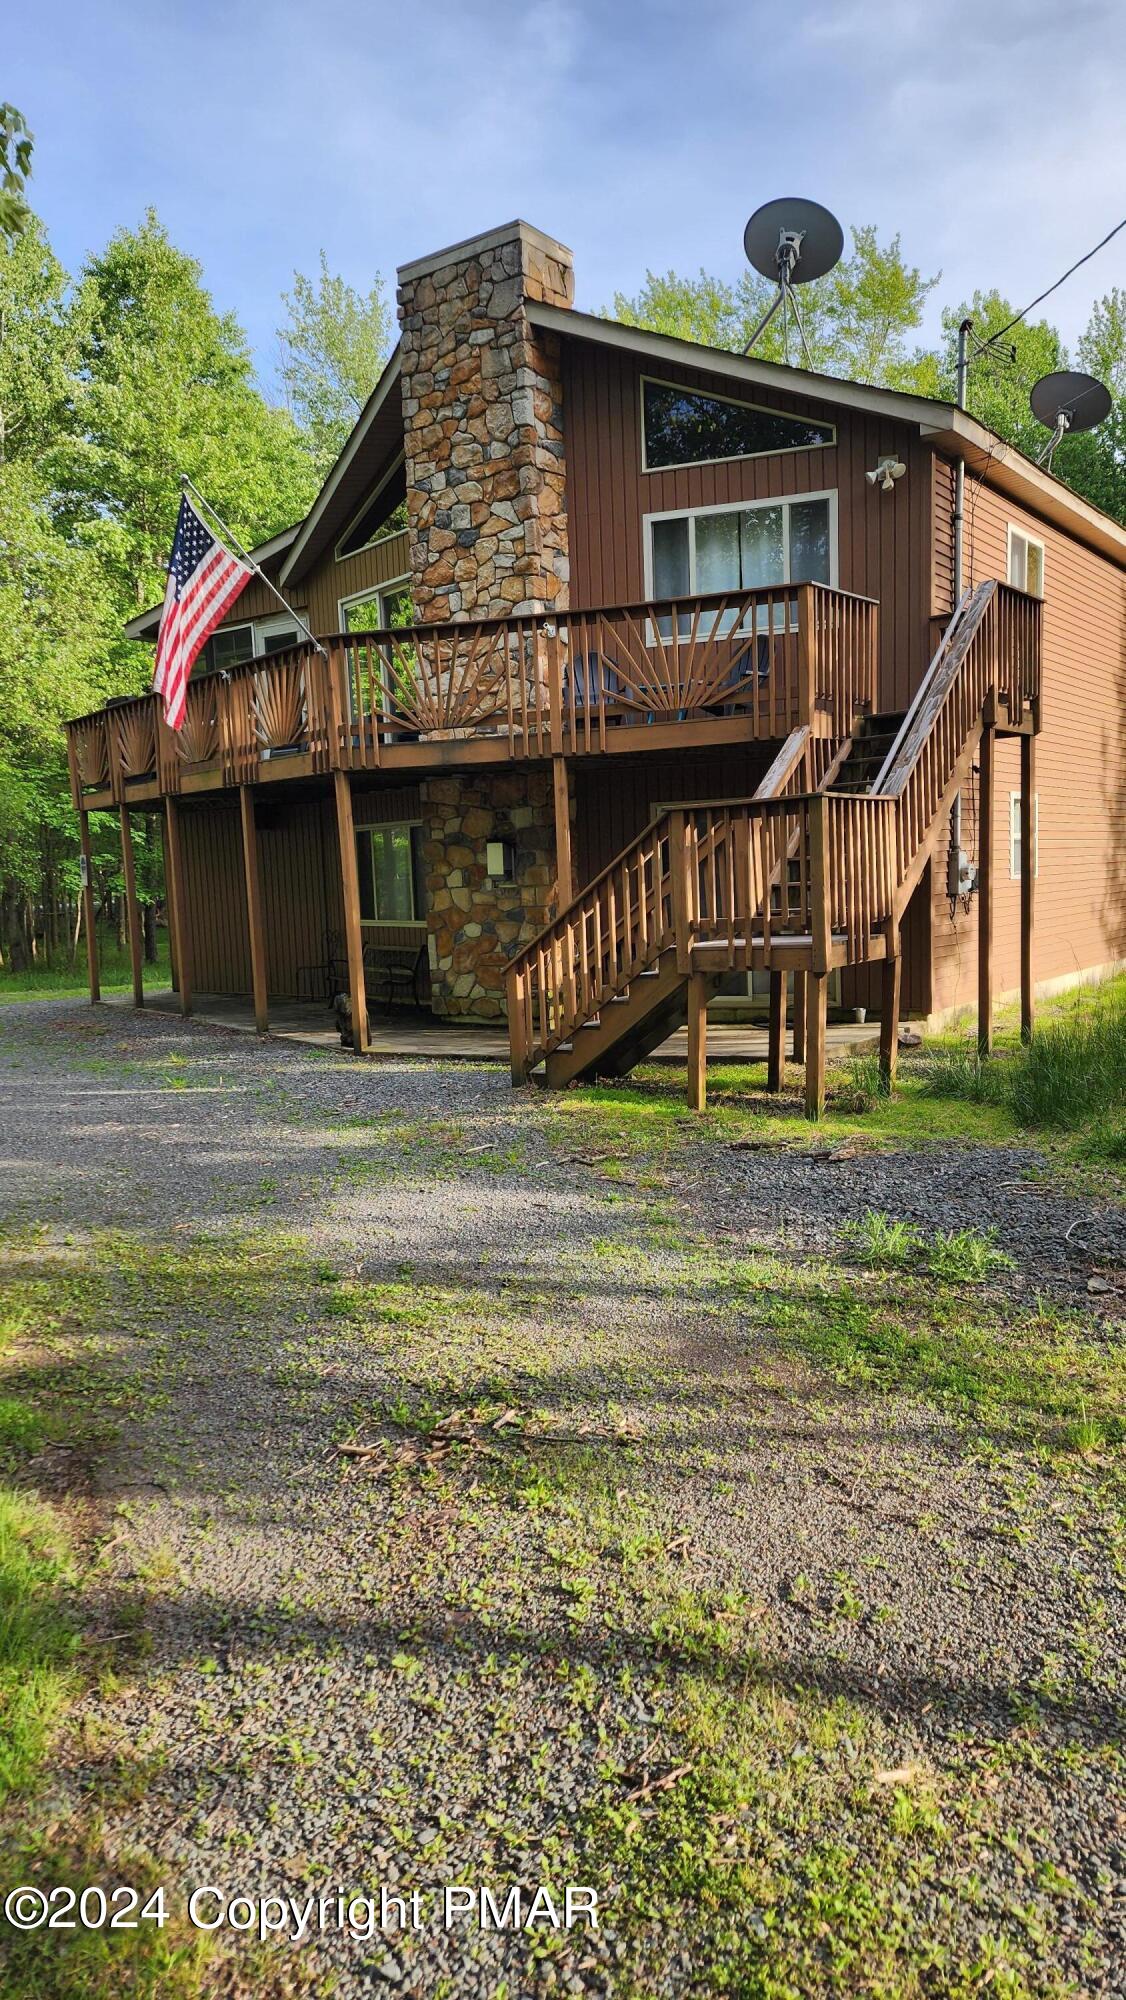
[389, 861]
[1014, 836]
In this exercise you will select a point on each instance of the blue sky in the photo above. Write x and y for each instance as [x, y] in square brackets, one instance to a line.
[988, 132]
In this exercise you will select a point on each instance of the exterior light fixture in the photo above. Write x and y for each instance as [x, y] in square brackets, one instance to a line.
[887, 472]
[500, 860]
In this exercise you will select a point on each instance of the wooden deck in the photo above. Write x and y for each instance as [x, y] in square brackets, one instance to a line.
[732, 667]
[415, 1037]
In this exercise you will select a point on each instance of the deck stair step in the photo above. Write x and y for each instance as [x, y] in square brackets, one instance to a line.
[867, 753]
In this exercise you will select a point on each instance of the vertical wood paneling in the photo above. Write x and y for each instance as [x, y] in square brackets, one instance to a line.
[882, 538]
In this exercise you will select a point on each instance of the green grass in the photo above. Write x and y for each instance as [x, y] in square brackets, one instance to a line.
[1037, 1376]
[62, 980]
[37, 1634]
[957, 1255]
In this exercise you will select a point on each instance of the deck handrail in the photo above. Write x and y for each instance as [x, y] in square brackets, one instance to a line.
[775, 657]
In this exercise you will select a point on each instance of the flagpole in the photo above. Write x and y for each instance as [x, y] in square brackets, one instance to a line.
[188, 486]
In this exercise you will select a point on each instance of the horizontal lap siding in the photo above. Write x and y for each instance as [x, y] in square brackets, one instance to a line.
[1081, 771]
[883, 538]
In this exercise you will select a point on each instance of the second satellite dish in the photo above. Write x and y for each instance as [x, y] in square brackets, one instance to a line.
[791, 241]
[1067, 401]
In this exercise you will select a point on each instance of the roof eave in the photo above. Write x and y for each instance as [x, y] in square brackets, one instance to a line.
[292, 568]
[940, 424]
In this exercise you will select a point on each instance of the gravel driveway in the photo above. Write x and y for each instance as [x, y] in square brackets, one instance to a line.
[409, 1672]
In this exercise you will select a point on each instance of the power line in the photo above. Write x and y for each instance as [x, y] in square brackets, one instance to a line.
[1002, 330]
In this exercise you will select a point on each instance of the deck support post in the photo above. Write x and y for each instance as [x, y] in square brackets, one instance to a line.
[699, 987]
[561, 791]
[891, 984]
[816, 1010]
[799, 1017]
[350, 887]
[88, 908]
[1027, 881]
[132, 908]
[178, 903]
[776, 1032]
[985, 894]
[256, 930]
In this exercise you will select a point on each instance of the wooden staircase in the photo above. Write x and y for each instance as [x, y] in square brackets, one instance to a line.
[813, 872]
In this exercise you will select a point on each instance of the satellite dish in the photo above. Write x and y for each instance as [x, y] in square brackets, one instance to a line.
[1068, 401]
[792, 241]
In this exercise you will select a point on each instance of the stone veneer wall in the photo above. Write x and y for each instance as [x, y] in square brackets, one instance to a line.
[477, 924]
[483, 426]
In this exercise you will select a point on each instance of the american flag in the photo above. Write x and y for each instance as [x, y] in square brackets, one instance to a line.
[204, 579]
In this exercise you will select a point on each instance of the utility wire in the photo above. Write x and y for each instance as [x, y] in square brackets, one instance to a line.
[1002, 330]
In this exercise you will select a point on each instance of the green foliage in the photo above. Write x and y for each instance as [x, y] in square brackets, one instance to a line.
[165, 386]
[1074, 1070]
[36, 1637]
[335, 344]
[16, 144]
[857, 318]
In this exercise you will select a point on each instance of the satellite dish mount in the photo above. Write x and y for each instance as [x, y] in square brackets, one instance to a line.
[791, 241]
[1067, 401]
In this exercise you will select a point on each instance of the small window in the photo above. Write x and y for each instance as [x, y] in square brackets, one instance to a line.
[389, 608]
[1014, 836]
[1026, 563]
[384, 513]
[684, 427]
[226, 648]
[389, 861]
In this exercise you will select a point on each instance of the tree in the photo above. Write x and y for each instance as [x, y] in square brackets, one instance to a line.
[16, 146]
[165, 385]
[334, 346]
[857, 318]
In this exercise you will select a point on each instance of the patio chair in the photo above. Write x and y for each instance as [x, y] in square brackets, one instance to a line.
[325, 978]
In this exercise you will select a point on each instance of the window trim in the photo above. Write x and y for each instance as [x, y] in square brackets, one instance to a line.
[1014, 837]
[259, 629]
[783, 500]
[369, 500]
[739, 403]
[360, 596]
[1030, 541]
[416, 923]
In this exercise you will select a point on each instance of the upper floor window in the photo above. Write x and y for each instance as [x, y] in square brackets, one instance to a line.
[387, 608]
[743, 548]
[383, 513]
[232, 644]
[685, 427]
[1026, 563]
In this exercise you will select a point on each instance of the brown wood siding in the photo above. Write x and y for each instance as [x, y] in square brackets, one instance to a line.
[332, 580]
[1080, 778]
[301, 891]
[883, 538]
[942, 514]
[613, 803]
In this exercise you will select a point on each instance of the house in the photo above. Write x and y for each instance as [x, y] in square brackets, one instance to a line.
[638, 694]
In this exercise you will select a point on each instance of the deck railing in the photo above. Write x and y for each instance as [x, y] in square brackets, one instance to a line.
[773, 659]
[727, 886]
[990, 651]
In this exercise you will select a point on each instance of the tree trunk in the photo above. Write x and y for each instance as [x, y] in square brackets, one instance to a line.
[148, 915]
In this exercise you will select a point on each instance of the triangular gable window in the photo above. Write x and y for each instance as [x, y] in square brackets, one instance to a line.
[684, 427]
[384, 514]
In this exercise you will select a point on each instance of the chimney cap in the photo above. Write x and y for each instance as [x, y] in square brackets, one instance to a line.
[490, 239]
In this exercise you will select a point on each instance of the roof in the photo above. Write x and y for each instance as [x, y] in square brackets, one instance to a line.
[144, 625]
[941, 424]
[377, 434]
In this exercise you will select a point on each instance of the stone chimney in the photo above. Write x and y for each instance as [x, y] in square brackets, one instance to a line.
[482, 417]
